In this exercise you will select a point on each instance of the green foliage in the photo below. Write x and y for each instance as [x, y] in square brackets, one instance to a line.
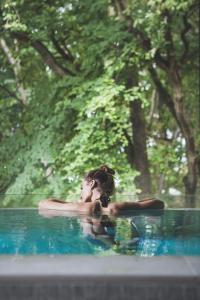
[76, 122]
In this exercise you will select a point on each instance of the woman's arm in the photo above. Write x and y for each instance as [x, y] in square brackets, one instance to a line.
[143, 204]
[58, 205]
[85, 208]
[151, 203]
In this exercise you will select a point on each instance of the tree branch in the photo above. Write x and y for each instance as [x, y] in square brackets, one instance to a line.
[15, 64]
[50, 60]
[66, 54]
[163, 93]
[60, 50]
[187, 27]
[144, 40]
[127, 137]
[168, 37]
[153, 108]
[145, 43]
[68, 50]
[12, 94]
[130, 148]
[46, 55]
[118, 5]
[161, 61]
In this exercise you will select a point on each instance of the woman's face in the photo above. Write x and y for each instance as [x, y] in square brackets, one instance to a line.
[86, 191]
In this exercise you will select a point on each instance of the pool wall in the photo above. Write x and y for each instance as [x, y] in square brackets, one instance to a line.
[94, 277]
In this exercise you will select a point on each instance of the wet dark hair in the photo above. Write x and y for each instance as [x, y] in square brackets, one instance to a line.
[104, 179]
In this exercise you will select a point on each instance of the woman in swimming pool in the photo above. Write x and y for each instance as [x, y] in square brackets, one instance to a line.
[97, 187]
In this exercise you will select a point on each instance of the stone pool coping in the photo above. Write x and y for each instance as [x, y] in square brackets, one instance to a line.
[93, 277]
[109, 267]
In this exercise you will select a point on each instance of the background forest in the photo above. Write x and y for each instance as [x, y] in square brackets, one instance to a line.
[84, 83]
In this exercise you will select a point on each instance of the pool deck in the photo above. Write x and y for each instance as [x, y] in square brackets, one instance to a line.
[96, 277]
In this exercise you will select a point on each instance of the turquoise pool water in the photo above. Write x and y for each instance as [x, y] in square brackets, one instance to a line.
[145, 233]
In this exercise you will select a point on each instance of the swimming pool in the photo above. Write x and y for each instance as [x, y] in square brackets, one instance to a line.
[144, 255]
[144, 233]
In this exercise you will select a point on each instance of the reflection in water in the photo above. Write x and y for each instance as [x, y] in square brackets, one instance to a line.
[99, 231]
[150, 232]
[144, 233]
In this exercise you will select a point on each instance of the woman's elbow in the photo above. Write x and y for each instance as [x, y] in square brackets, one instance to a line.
[44, 203]
[159, 204]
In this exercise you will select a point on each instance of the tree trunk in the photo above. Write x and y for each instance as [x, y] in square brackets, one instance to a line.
[190, 180]
[137, 149]
[140, 159]
[174, 103]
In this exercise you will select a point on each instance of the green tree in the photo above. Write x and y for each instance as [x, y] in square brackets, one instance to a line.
[87, 82]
